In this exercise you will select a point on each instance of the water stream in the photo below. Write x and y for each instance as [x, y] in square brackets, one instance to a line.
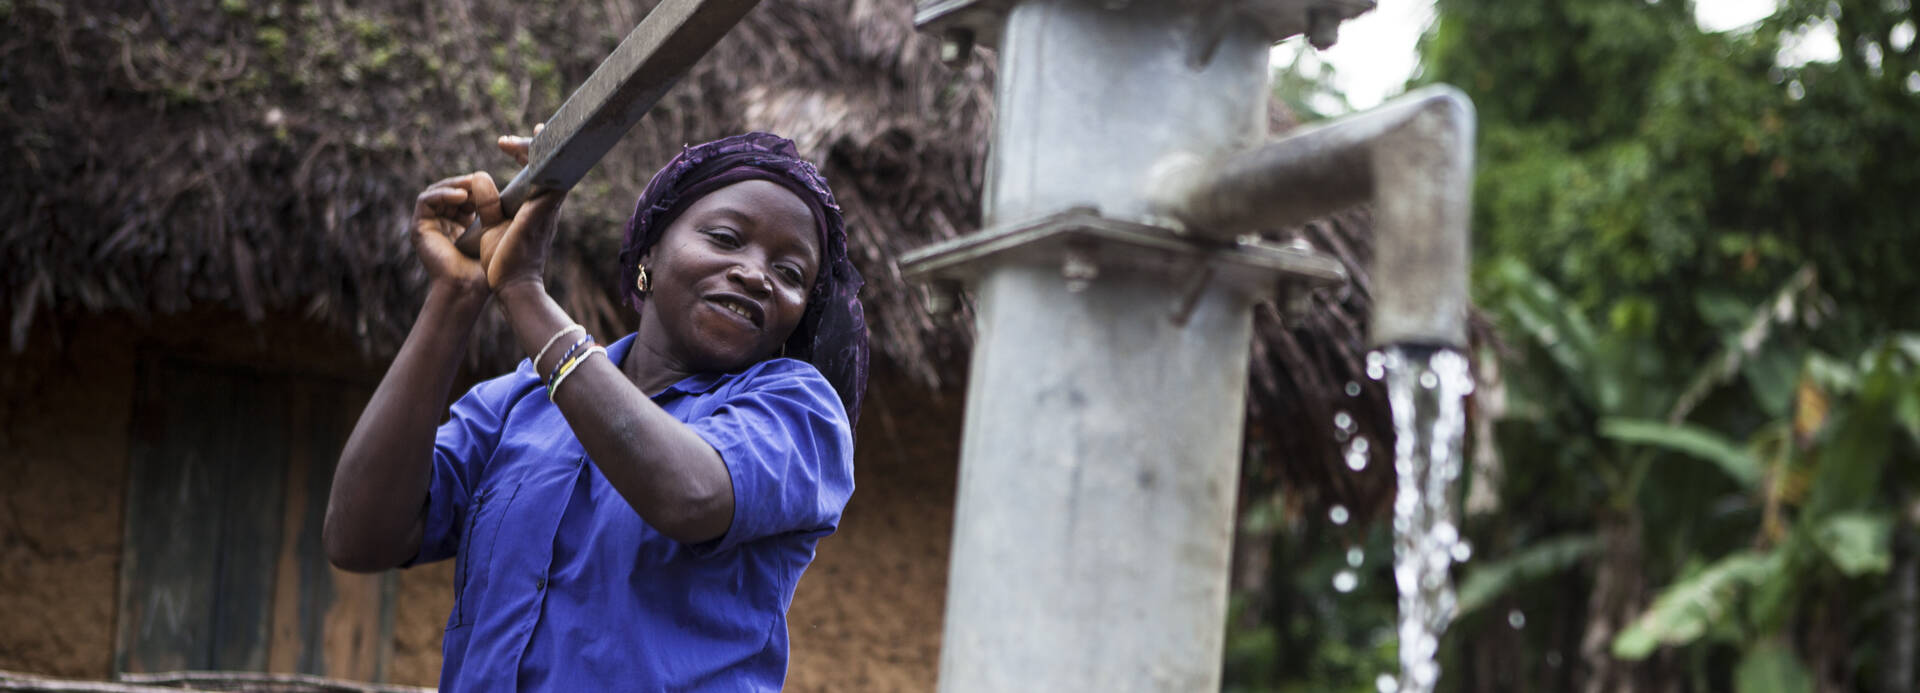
[1427, 388]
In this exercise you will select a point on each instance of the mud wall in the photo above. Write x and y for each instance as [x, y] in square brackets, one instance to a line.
[420, 613]
[64, 411]
[867, 615]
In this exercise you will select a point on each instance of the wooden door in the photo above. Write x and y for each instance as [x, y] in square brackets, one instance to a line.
[222, 567]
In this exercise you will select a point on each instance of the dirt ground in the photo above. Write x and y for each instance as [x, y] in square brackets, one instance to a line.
[866, 616]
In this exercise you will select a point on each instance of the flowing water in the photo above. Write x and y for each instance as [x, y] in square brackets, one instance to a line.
[1427, 388]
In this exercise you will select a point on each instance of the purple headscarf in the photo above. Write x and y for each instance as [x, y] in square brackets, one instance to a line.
[832, 334]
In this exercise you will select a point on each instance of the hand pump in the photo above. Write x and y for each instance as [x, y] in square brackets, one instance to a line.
[1115, 285]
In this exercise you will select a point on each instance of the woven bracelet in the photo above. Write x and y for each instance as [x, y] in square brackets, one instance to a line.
[550, 342]
[584, 340]
[570, 366]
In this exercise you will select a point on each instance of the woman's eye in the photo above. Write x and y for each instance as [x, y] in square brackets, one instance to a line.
[723, 237]
[791, 274]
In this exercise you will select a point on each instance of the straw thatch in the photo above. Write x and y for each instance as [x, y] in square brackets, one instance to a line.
[264, 157]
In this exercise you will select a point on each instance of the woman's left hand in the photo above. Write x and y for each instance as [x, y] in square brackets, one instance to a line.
[517, 252]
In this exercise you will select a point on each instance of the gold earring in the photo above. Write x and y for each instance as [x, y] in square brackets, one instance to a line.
[641, 282]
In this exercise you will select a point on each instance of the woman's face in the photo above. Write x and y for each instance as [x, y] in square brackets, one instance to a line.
[730, 277]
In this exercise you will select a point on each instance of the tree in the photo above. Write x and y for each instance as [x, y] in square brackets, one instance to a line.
[1696, 251]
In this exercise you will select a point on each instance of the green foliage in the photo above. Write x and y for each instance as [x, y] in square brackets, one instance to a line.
[1304, 85]
[1488, 580]
[1772, 667]
[273, 40]
[1843, 530]
[1690, 439]
[1857, 543]
[1693, 252]
[1687, 609]
[1635, 159]
[1300, 633]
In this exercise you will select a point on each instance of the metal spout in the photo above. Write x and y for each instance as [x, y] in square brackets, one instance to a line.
[1412, 157]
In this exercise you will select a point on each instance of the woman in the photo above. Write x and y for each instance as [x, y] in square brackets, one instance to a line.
[633, 515]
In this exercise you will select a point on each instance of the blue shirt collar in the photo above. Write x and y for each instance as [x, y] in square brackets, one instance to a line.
[696, 384]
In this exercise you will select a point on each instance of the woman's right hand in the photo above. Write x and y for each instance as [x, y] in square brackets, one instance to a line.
[444, 211]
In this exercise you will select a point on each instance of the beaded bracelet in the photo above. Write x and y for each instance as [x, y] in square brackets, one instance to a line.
[566, 363]
[555, 338]
[584, 340]
[569, 367]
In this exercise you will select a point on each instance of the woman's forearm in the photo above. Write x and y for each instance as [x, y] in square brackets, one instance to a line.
[665, 471]
[373, 519]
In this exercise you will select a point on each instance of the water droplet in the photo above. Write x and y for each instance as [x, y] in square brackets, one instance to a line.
[1553, 658]
[1427, 673]
[1342, 421]
[1338, 514]
[1462, 551]
[1353, 389]
[1356, 461]
[1386, 684]
[1356, 556]
[1429, 381]
[1360, 445]
[1344, 581]
[1445, 533]
[1516, 619]
[1376, 365]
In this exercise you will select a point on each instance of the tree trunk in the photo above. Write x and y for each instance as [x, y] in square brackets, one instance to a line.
[1904, 621]
[1618, 592]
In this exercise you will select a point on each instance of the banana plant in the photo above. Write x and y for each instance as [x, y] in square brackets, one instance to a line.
[1857, 428]
[1804, 484]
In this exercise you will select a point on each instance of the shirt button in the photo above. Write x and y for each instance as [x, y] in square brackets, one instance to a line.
[540, 584]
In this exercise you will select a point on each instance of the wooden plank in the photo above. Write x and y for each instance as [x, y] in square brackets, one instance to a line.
[173, 526]
[251, 438]
[356, 639]
[326, 621]
[223, 565]
[252, 681]
[289, 643]
[648, 62]
[352, 622]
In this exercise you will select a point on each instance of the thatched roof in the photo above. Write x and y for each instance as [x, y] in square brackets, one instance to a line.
[164, 156]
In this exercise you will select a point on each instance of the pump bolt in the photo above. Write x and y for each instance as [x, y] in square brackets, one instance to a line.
[956, 47]
[942, 297]
[1323, 27]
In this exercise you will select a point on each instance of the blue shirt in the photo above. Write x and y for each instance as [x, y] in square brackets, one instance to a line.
[561, 586]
